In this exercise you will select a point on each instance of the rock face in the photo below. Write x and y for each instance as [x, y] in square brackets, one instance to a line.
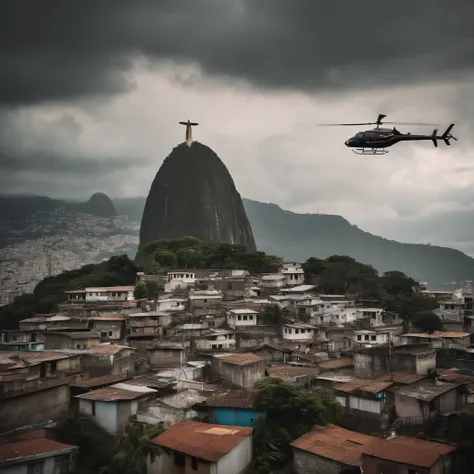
[193, 194]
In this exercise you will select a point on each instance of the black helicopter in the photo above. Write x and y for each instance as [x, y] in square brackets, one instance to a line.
[375, 141]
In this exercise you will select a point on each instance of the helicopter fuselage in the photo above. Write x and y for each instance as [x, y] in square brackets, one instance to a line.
[382, 138]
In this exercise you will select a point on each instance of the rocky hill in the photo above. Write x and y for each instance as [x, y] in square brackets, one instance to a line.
[194, 194]
[17, 208]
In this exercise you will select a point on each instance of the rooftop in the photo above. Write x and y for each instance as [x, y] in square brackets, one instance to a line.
[202, 440]
[117, 392]
[31, 447]
[361, 385]
[243, 311]
[98, 381]
[339, 363]
[240, 359]
[406, 450]
[108, 349]
[438, 335]
[300, 288]
[75, 334]
[232, 399]
[289, 372]
[334, 442]
[426, 390]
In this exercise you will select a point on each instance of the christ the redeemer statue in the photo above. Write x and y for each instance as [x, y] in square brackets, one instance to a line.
[189, 131]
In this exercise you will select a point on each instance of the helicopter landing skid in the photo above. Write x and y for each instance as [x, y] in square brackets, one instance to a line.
[370, 151]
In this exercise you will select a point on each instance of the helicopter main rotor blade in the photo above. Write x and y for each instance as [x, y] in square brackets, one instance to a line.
[414, 123]
[344, 124]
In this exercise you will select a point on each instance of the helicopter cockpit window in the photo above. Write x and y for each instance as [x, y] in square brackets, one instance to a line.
[360, 135]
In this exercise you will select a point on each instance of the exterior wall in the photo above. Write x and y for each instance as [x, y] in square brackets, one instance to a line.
[165, 464]
[235, 416]
[168, 357]
[34, 407]
[297, 334]
[51, 464]
[238, 460]
[304, 463]
[56, 341]
[109, 330]
[240, 375]
[424, 363]
[242, 319]
[372, 465]
[105, 413]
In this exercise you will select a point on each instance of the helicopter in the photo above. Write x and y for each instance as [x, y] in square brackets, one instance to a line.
[375, 141]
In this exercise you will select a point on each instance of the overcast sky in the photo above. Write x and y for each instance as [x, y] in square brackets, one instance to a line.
[91, 92]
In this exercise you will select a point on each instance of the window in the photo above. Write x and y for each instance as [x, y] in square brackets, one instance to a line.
[110, 333]
[373, 337]
[179, 459]
[194, 464]
[245, 317]
[239, 317]
[93, 407]
[35, 467]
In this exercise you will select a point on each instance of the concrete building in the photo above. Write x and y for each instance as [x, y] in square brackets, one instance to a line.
[242, 317]
[330, 450]
[77, 340]
[191, 446]
[37, 456]
[111, 407]
[241, 370]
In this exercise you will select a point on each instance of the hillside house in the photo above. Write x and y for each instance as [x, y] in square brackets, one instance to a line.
[330, 450]
[110, 328]
[232, 407]
[166, 354]
[374, 315]
[38, 456]
[272, 283]
[172, 408]
[299, 290]
[203, 302]
[403, 454]
[17, 340]
[240, 370]
[376, 361]
[111, 407]
[111, 293]
[215, 339]
[416, 403]
[368, 338]
[191, 446]
[293, 272]
[54, 322]
[298, 332]
[78, 340]
[34, 386]
[147, 324]
[241, 318]
[111, 359]
[439, 339]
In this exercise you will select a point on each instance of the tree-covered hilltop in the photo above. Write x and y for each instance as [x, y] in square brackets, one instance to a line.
[395, 291]
[118, 270]
[189, 252]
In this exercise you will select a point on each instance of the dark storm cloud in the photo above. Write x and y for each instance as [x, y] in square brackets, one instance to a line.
[56, 49]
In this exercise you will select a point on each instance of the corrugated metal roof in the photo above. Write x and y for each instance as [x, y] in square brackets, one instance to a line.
[336, 363]
[31, 447]
[241, 359]
[202, 440]
[108, 349]
[406, 450]
[117, 392]
[426, 390]
[96, 381]
[232, 399]
[360, 385]
[288, 372]
[438, 335]
[334, 442]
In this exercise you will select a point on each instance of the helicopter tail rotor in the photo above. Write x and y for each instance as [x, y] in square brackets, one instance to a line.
[447, 135]
[434, 137]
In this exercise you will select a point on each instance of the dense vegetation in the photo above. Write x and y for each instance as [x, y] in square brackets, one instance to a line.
[118, 270]
[189, 252]
[289, 413]
[394, 291]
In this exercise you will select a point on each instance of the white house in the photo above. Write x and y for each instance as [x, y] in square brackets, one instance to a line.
[107, 293]
[281, 300]
[273, 281]
[298, 332]
[375, 315]
[299, 290]
[181, 275]
[293, 273]
[172, 304]
[241, 318]
[111, 407]
[178, 280]
[367, 338]
[192, 446]
[216, 339]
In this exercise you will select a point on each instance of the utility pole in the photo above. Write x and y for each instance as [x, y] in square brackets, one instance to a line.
[49, 266]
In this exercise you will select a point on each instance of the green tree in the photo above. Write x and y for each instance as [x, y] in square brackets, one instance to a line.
[165, 258]
[397, 283]
[190, 258]
[427, 321]
[152, 268]
[274, 315]
[133, 449]
[289, 413]
[153, 288]
[140, 291]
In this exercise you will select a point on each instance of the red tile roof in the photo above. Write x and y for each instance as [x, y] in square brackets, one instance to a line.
[202, 440]
[241, 359]
[334, 442]
[31, 447]
[406, 450]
